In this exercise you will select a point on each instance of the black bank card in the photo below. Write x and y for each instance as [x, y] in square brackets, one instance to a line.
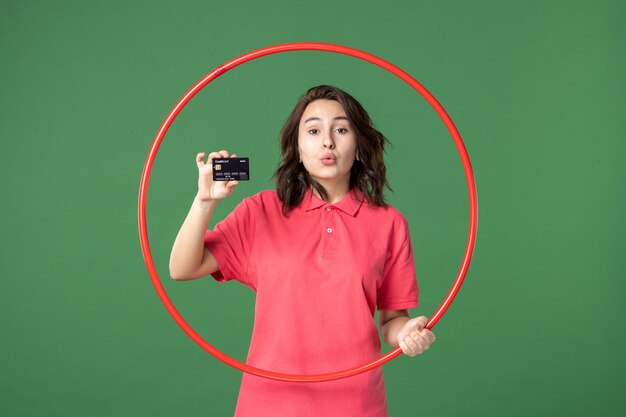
[228, 169]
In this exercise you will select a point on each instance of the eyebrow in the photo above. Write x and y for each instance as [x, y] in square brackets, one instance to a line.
[317, 118]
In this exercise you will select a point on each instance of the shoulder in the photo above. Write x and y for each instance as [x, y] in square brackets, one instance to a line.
[390, 219]
[389, 213]
[265, 200]
[264, 196]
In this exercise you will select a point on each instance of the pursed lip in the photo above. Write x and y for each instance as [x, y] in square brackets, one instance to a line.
[329, 156]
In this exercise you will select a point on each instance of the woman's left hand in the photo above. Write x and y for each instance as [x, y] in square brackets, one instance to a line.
[413, 338]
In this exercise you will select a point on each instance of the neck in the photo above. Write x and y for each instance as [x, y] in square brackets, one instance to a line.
[335, 191]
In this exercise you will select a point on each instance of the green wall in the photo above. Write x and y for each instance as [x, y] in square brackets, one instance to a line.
[535, 88]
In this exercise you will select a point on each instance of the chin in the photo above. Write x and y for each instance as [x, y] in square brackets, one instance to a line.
[327, 177]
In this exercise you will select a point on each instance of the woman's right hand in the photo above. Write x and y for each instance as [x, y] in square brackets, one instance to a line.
[208, 189]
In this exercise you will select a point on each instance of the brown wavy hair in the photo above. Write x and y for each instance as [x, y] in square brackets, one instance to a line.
[368, 173]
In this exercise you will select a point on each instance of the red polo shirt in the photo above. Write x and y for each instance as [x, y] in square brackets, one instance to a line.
[319, 274]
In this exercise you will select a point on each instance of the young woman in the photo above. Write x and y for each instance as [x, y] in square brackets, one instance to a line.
[322, 252]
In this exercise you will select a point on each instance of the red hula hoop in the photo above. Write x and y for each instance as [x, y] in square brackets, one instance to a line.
[287, 47]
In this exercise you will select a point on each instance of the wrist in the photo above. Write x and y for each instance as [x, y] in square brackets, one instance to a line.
[205, 203]
[392, 328]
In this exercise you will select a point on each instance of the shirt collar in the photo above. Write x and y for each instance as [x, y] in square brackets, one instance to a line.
[349, 204]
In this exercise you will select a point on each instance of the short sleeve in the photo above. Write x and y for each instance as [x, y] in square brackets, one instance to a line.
[398, 290]
[230, 242]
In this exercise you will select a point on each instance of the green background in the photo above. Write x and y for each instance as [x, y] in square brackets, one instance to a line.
[535, 88]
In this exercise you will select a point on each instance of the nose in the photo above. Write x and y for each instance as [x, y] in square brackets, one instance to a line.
[328, 141]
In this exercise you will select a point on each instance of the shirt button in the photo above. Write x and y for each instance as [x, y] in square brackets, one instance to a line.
[329, 230]
[328, 209]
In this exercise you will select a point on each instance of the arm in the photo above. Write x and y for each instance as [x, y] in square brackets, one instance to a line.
[399, 330]
[189, 258]
[391, 322]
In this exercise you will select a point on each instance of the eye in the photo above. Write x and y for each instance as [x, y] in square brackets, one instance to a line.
[344, 130]
[311, 130]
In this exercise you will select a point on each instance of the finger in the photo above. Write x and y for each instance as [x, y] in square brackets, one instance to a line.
[424, 334]
[405, 349]
[428, 335]
[420, 343]
[224, 153]
[416, 336]
[232, 183]
[421, 322]
[418, 347]
[200, 159]
[212, 156]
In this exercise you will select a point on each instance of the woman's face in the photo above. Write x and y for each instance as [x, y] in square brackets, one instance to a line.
[327, 143]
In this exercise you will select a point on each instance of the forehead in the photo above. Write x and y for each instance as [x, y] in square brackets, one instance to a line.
[323, 109]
